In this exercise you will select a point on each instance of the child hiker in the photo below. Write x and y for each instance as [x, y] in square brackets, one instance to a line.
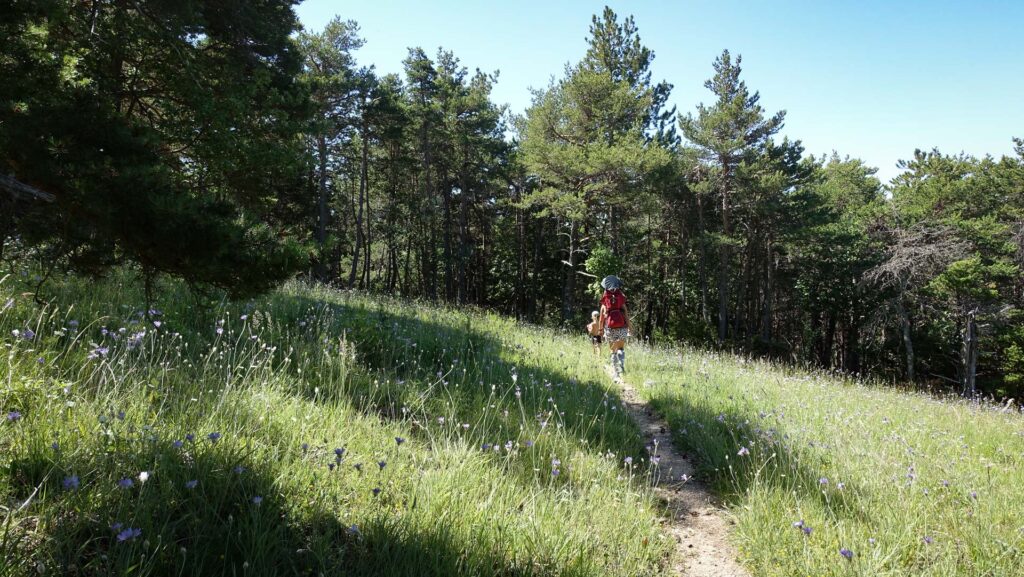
[615, 319]
[594, 330]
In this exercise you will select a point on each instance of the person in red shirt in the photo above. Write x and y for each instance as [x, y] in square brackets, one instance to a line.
[614, 317]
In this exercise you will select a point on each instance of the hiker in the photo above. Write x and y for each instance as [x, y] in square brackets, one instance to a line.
[615, 319]
[594, 330]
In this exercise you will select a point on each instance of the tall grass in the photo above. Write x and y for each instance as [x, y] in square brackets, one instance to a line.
[827, 476]
[308, 432]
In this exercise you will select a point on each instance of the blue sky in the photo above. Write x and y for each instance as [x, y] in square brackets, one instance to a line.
[869, 79]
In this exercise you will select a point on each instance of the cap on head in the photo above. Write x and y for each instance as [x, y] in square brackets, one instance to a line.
[595, 314]
[611, 282]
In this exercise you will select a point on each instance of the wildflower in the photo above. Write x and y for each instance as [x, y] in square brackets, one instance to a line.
[305, 447]
[257, 500]
[555, 462]
[399, 440]
[840, 486]
[330, 466]
[239, 469]
[220, 331]
[157, 324]
[116, 527]
[871, 540]
[120, 415]
[509, 446]
[339, 453]
[191, 484]
[376, 491]
[71, 483]
[190, 438]
[485, 446]
[359, 467]
[807, 530]
[927, 540]
[126, 483]
[214, 437]
[656, 459]
[798, 524]
[382, 464]
[243, 317]
[354, 530]
[528, 443]
[129, 534]
[743, 452]
[823, 481]
[13, 416]
[143, 477]
[440, 420]
[629, 461]
[178, 444]
[974, 495]
[98, 353]
[846, 553]
[28, 335]
[465, 426]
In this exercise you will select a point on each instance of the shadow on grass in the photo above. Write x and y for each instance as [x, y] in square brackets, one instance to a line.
[430, 367]
[716, 438]
[207, 512]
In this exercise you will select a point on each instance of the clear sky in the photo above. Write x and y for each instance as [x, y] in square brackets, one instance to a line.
[869, 79]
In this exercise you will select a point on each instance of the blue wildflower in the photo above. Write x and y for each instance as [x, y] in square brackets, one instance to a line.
[257, 500]
[191, 484]
[13, 416]
[126, 483]
[399, 440]
[129, 534]
[382, 464]
[178, 444]
[376, 491]
[71, 483]
[846, 553]
[214, 437]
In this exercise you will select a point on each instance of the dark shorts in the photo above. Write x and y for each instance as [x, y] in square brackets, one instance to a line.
[596, 339]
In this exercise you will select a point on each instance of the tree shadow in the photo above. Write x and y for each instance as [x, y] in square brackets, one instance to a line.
[209, 512]
[734, 451]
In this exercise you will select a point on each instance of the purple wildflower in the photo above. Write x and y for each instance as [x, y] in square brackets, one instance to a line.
[927, 540]
[823, 481]
[126, 483]
[743, 452]
[528, 443]
[71, 483]
[190, 438]
[239, 469]
[846, 553]
[798, 524]
[628, 461]
[214, 437]
[13, 416]
[399, 440]
[129, 534]
[359, 467]
[178, 444]
[257, 500]
[807, 530]
[305, 447]
[191, 484]
[382, 464]
[376, 491]
[28, 335]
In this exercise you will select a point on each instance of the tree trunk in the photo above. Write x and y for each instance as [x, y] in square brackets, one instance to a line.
[569, 287]
[908, 344]
[969, 354]
[321, 223]
[357, 252]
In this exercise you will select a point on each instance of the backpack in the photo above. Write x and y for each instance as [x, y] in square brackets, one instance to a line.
[614, 302]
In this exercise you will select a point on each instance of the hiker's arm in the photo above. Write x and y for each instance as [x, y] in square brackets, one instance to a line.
[600, 318]
[629, 324]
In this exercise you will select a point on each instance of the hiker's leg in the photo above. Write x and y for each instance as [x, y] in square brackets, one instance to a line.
[622, 359]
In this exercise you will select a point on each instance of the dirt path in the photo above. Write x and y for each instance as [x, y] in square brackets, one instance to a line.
[700, 530]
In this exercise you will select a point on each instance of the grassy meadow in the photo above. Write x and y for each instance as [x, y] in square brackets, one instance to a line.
[314, 431]
[309, 432]
[828, 476]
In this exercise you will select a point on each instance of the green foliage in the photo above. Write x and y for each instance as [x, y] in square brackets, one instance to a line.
[150, 120]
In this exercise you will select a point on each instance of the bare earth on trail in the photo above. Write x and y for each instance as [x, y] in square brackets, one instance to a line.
[700, 531]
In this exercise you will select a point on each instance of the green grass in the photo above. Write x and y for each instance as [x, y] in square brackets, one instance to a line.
[446, 470]
[910, 484]
[486, 410]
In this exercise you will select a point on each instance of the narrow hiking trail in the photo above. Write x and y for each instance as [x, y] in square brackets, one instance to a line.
[698, 526]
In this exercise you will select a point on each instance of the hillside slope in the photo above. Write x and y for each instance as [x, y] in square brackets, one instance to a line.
[827, 476]
[310, 432]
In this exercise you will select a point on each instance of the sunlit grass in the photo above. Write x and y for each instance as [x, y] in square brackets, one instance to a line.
[310, 431]
[906, 483]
